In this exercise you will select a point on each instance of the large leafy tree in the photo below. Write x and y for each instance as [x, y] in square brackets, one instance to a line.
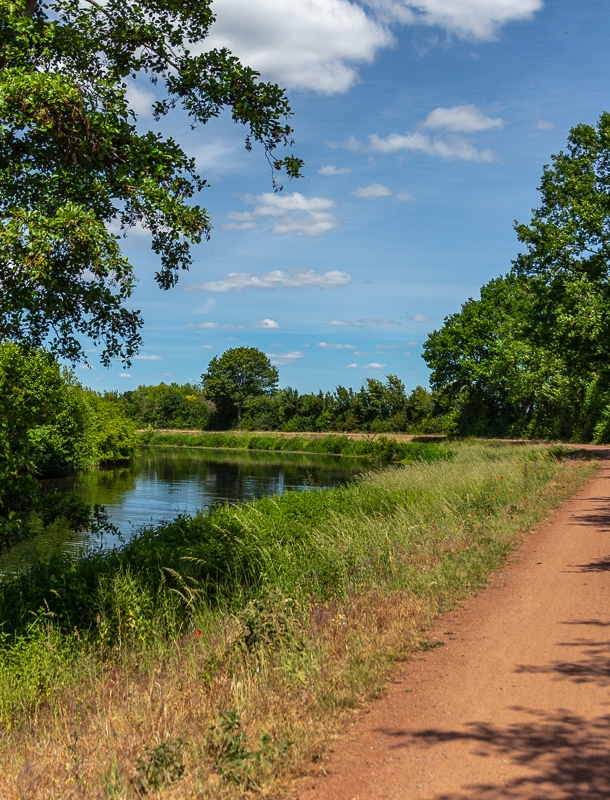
[238, 375]
[568, 250]
[75, 171]
[531, 356]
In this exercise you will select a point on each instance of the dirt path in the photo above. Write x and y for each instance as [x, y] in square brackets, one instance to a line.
[516, 705]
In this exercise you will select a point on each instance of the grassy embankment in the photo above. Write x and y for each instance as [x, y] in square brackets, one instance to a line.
[384, 448]
[143, 668]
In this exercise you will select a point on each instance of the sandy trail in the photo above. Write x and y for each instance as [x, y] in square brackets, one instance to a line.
[516, 705]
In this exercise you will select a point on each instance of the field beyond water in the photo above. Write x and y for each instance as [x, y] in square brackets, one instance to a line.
[219, 655]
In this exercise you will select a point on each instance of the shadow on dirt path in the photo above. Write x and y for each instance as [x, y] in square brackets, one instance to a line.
[516, 705]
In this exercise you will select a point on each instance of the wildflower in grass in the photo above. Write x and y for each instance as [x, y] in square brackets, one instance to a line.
[198, 633]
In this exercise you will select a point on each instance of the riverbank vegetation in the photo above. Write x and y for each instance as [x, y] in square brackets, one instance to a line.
[380, 448]
[50, 425]
[220, 654]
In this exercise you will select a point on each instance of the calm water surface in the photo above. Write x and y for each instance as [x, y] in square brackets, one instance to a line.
[164, 482]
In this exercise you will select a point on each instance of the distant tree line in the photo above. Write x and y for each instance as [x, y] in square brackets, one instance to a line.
[239, 390]
[378, 406]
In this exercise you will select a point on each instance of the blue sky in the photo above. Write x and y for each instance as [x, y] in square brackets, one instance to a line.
[424, 128]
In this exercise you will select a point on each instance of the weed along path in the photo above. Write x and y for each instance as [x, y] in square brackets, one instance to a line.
[516, 703]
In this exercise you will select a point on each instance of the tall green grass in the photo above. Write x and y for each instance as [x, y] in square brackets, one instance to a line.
[425, 528]
[381, 448]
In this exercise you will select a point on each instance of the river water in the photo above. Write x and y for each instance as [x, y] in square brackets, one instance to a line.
[163, 482]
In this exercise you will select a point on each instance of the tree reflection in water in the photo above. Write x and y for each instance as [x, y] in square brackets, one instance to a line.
[164, 482]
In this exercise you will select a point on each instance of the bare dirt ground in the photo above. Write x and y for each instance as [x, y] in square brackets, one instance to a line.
[516, 704]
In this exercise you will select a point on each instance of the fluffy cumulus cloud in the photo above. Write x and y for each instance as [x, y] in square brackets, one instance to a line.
[267, 324]
[143, 357]
[302, 44]
[330, 169]
[419, 318]
[277, 279]
[284, 359]
[288, 213]
[320, 44]
[461, 119]
[478, 20]
[372, 190]
[453, 122]
[452, 147]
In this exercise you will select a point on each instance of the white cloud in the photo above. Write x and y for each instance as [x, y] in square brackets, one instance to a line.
[329, 169]
[451, 147]
[419, 318]
[239, 226]
[302, 44]
[289, 213]
[206, 347]
[372, 365]
[340, 322]
[411, 344]
[359, 354]
[468, 19]
[372, 190]
[267, 323]
[461, 119]
[278, 279]
[135, 230]
[282, 359]
[454, 121]
[320, 44]
[140, 100]
[216, 155]
[544, 125]
[376, 321]
[125, 375]
[327, 346]
[148, 358]
[85, 366]
[404, 197]
[203, 325]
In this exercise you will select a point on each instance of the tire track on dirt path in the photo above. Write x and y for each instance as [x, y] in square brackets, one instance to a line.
[516, 706]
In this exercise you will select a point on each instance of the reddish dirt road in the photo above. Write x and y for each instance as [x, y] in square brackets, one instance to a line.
[516, 705]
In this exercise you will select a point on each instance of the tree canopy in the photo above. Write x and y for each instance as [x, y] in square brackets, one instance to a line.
[531, 356]
[76, 172]
[239, 374]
